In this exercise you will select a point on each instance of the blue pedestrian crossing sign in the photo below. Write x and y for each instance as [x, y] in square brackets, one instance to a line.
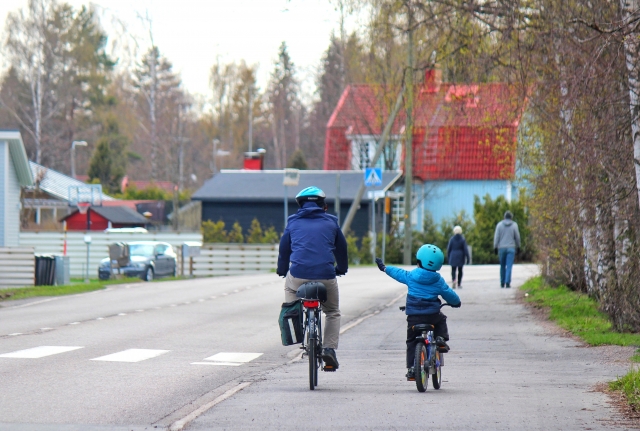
[373, 177]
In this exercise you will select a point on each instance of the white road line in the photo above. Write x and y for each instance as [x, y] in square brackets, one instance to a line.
[15, 333]
[228, 364]
[180, 424]
[39, 352]
[99, 318]
[233, 357]
[74, 323]
[122, 314]
[131, 355]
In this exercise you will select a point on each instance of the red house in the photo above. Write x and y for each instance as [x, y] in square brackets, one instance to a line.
[464, 140]
[461, 131]
[104, 217]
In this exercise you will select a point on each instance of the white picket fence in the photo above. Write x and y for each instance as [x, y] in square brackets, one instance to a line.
[234, 259]
[52, 243]
[17, 266]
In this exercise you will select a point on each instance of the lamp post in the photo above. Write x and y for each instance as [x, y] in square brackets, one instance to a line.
[75, 144]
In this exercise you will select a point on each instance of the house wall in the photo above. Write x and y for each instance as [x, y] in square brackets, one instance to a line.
[9, 199]
[272, 214]
[78, 221]
[447, 198]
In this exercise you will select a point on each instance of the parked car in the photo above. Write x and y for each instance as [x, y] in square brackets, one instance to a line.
[148, 259]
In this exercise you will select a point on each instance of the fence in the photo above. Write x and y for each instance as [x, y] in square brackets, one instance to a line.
[234, 259]
[17, 266]
[52, 243]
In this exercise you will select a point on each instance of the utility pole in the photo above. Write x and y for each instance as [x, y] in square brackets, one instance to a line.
[408, 141]
[250, 118]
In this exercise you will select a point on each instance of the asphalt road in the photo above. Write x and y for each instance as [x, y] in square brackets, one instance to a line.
[205, 354]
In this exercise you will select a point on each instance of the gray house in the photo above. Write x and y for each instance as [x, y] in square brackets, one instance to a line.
[243, 195]
[14, 174]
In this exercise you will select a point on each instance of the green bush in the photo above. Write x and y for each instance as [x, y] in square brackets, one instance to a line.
[215, 232]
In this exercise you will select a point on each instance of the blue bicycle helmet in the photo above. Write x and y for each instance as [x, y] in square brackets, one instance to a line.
[430, 257]
[311, 194]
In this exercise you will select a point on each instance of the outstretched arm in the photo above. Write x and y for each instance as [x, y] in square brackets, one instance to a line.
[397, 274]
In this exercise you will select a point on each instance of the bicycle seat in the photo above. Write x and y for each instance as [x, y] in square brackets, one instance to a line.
[422, 327]
[312, 290]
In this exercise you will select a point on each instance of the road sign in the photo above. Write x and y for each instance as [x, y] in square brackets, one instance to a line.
[373, 177]
[291, 177]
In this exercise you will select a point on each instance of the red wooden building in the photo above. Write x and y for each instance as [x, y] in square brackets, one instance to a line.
[104, 217]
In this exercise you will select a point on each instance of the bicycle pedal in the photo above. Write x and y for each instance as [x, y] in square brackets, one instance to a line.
[411, 379]
[329, 369]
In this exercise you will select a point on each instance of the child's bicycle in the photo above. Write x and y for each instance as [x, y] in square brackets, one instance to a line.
[429, 359]
[313, 294]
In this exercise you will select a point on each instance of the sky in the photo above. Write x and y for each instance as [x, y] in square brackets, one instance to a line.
[192, 33]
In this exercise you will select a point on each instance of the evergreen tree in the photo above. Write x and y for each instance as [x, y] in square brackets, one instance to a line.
[297, 160]
[109, 161]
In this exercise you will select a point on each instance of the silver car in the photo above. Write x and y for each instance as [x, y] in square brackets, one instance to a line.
[148, 259]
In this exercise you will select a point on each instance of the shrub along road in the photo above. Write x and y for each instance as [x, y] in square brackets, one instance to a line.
[156, 356]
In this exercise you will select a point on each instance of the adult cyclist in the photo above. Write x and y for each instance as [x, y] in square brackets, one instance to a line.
[312, 241]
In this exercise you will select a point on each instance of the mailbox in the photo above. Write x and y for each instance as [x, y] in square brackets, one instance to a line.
[191, 249]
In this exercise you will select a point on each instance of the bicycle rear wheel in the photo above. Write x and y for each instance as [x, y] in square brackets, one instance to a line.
[422, 377]
[436, 378]
[313, 371]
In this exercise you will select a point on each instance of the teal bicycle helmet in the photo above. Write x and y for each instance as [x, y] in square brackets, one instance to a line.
[430, 257]
[311, 194]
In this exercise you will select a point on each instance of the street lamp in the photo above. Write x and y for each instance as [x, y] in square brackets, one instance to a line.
[75, 144]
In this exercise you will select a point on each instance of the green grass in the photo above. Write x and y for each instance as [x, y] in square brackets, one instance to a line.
[68, 289]
[577, 313]
[629, 384]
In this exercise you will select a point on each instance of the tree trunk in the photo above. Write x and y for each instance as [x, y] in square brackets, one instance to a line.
[632, 55]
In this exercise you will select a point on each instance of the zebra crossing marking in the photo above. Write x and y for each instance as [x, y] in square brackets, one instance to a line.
[230, 359]
[131, 355]
[39, 352]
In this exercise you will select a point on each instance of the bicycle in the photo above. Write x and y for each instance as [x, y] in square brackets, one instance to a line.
[313, 294]
[429, 358]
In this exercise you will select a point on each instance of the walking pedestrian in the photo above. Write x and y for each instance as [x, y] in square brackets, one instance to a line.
[506, 243]
[457, 256]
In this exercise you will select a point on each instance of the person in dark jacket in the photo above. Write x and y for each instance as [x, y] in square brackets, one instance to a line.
[312, 241]
[457, 255]
[423, 305]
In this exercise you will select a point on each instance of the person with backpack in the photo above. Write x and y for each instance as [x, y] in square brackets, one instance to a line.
[457, 256]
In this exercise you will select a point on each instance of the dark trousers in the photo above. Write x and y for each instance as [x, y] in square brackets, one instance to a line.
[453, 274]
[438, 320]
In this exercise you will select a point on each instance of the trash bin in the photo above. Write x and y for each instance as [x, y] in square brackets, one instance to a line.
[45, 270]
[63, 270]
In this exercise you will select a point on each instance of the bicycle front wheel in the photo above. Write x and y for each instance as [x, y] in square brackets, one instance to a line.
[422, 376]
[436, 378]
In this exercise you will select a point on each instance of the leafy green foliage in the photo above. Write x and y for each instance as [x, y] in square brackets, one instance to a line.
[487, 214]
[629, 384]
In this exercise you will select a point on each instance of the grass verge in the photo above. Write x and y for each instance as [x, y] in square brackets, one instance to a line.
[579, 314]
[67, 289]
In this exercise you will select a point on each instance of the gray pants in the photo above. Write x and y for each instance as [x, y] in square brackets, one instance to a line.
[331, 307]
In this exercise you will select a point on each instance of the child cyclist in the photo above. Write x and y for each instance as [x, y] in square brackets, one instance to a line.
[423, 304]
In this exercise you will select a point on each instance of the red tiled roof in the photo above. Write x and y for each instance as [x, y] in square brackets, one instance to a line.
[460, 131]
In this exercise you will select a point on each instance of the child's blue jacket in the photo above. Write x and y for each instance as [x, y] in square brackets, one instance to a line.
[424, 288]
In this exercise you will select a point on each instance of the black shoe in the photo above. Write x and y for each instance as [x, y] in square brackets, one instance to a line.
[442, 345]
[502, 285]
[411, 375]
[329, 358]
[508, 286]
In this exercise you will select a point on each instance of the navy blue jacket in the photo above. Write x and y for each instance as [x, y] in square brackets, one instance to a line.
[312, 242]
[424, 288]
[457, 251]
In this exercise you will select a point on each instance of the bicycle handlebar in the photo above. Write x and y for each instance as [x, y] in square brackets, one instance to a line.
[402, 307]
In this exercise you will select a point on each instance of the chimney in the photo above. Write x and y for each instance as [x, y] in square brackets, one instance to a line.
[254, 160]
[432, 80]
